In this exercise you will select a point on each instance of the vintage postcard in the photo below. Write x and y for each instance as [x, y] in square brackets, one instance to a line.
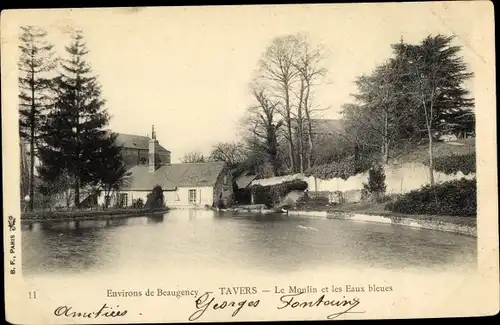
[249, 163]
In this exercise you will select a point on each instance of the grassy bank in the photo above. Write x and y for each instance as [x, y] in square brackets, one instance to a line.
[88, 214]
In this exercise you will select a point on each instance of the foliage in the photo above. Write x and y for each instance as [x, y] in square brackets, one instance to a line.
[138, 204]
[262, 123]
[376, 182]
[434, 80]
[155, 199]
[343, 168]
[270, 195]
[193, 157]
[35, 95]
[417, 92]
[88, 214]
[35, 64]
[58, 187]
[109, 172]
[313, 201]
[75, 134]
[456, 163]
[330, 148]
[381, 117]
[454, 198]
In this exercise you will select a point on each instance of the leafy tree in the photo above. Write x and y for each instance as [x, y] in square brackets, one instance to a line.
[382, 114]
[420, 88]
[434, 77]
[75, 132]
[35, 64]
[109, 172]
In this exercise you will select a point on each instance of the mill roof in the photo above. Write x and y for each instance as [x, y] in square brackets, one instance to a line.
[245, 179]
[134, 141]
[170, 177]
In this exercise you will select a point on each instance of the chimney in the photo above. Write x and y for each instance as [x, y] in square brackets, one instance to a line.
[153, 144]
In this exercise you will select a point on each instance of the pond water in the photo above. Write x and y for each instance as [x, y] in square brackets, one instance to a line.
[198, 239]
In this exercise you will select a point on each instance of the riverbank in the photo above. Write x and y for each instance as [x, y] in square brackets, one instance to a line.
[375, 213]
[80, 215]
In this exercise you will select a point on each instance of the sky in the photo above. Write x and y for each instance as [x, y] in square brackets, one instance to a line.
[186, 70]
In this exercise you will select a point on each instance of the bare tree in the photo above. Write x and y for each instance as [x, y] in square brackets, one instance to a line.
[289, 70]
[263, 124]
[231, 153]
[193, 157]
[310, 69]
[277, 71]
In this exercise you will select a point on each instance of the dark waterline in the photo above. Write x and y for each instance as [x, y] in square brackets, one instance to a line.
[197, 238]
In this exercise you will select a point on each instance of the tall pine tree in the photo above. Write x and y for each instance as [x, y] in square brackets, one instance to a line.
[76, 139]
[36, 61]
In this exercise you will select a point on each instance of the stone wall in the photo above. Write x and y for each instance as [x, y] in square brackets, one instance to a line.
[224, 186]
[399, 179]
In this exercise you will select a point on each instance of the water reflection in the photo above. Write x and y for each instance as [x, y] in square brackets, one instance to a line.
[65, 246]
[155, 219]
[195, 239]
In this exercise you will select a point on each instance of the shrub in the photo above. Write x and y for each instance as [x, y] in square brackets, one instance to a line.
[138, 204]
[343, 169]
[456, 198]
[155, 199]
[318, 200]
[376, 182]
[452, 164]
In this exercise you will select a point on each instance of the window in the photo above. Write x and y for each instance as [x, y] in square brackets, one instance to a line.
[192, 196]
[225, 179]
[123, 199]
[107, 199]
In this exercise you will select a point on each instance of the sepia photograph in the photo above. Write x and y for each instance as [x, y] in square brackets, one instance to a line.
[335, 144]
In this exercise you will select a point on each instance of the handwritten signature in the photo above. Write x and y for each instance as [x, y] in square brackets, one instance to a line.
[104, 311]
[290, 301]
[206, 302]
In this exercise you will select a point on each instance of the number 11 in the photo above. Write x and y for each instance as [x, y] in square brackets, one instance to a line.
[32, 294]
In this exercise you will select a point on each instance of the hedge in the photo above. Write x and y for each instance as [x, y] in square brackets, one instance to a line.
[452, 164]
[343, 168]
[453, 198]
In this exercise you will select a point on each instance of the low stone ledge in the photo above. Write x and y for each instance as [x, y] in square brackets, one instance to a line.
[408, 222]
[318, 214]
